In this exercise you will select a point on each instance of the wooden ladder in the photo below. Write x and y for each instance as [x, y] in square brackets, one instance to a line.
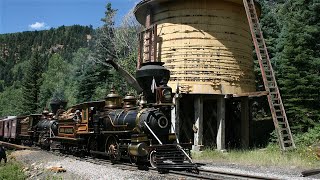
[147, 45]
[276, 106]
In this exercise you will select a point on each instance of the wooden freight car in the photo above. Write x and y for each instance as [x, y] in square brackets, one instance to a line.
[10, 128]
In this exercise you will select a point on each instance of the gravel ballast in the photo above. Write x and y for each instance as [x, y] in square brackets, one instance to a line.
[37, 164]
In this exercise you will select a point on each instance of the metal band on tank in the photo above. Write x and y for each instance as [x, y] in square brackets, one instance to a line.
[137, 119]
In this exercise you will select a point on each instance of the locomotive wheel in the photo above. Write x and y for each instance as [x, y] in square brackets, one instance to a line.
[93, 145]
[44, 142]
[152, 159]
[112, 147]
[133, 159]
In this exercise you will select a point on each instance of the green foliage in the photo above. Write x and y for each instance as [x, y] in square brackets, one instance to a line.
[309, 138]
[31, 84]
[92, 77]
[17, 47]
[54, 81]
[299, 62]
[11, 171]
[129, 64]
[92, 84]
[108, 19]
[75, 72]
[291, 29]
[17, 52]
[11, 101]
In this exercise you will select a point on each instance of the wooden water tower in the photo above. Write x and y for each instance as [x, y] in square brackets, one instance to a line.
[207, 46]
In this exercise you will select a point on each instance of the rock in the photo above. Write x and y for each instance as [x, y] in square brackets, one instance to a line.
[57, 169]
[25, 169]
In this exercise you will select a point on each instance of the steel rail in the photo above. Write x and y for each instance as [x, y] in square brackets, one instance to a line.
[236, 175]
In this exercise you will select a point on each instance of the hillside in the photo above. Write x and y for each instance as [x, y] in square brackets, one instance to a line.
[17, 50]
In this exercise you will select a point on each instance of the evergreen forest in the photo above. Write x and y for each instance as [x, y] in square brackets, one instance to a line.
[65, 62]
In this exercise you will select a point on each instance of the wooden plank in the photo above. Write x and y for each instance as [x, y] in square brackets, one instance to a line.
[13, 146]
[310, 172]
[252, 94]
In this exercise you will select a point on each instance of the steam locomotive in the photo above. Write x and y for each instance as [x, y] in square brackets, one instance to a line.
[128, 128]
[119, 128]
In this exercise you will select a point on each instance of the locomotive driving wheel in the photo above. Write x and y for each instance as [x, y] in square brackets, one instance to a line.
[112, 147]
[152, 159]
[93, 145]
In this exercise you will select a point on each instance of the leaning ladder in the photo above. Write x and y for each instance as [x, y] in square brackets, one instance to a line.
[276, 106]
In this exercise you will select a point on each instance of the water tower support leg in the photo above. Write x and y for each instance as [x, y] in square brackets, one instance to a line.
[221, 123]
[175, 118]
[245, 122]
[198, 125]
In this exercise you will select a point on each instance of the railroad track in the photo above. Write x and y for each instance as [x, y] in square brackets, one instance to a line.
[214, 174]
[203, 173]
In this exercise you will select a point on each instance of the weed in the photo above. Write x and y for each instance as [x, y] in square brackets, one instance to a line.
[11, 171]
[270, 156]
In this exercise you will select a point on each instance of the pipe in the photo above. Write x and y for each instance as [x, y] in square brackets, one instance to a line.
[153, 133]
[126, 75]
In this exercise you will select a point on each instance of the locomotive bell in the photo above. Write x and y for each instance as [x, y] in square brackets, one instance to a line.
[129, 101]
[113, 100]
[142, 100]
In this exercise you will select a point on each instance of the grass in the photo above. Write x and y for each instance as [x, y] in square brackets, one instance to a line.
[304, 157]
[11, 171]
[52, 177]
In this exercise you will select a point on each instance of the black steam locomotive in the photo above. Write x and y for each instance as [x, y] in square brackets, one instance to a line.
[128, 128]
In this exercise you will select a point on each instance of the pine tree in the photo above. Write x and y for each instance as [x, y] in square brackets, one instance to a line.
[54, 80]
[299, 62]
[96, 74]
[32, 83]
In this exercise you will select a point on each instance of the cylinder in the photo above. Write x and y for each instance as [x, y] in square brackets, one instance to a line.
[206, 44]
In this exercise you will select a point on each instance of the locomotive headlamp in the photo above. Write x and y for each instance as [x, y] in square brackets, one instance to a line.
[163, 122]
[166, 94]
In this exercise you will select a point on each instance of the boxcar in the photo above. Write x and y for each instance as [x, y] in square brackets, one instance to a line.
[8, 126]
[2, 127]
